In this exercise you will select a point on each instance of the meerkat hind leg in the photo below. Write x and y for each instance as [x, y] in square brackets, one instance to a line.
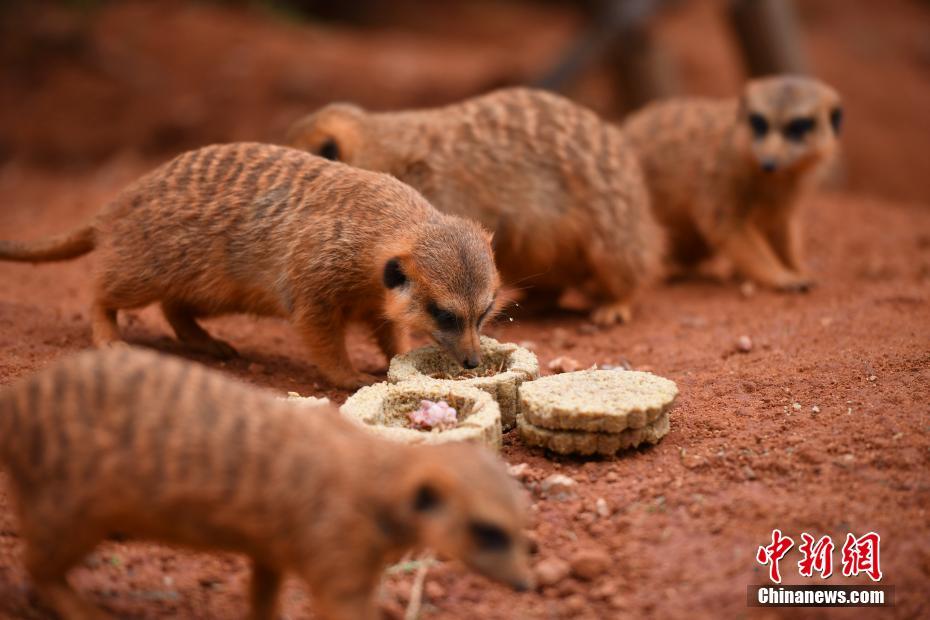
[104, 327]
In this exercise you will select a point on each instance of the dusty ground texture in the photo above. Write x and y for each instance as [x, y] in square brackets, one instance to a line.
[823, 426]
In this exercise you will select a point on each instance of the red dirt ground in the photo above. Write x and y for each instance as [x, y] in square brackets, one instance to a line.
[687, 515]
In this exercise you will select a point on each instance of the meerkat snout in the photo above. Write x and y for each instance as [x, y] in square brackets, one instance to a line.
[466, 506]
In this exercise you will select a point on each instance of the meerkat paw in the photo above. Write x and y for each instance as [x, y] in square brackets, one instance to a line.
[796, 284]
[612, 313]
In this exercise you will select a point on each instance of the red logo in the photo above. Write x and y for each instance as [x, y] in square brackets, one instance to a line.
[861, 555]
[817, 556]
[773, 553]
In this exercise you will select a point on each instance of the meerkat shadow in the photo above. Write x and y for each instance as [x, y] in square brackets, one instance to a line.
[275, 371]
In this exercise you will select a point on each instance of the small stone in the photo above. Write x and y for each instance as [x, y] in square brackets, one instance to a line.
[744, 344]
[520, 471]
[747, 289]
[603, 510]
[872, 378]
[434, 591]
[551, 571]
[796, 406]
[558, 484]
[564, 364]
[588, 328]
[256, 369]
[527, 344]
[748, 473]
[815, 409]
[619, 602]
[589, 564]
[576, 603]
[611, 476]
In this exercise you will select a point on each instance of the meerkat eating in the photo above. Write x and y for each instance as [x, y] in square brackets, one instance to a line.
[560, 189]
[270, 230]
[161, 449]
[726, 175]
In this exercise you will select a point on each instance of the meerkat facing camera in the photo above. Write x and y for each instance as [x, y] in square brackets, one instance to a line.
[274, 231]
[726, 175]
[560, 188]
[161, 449]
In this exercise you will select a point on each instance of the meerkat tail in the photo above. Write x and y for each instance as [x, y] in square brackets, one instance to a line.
[60, 247]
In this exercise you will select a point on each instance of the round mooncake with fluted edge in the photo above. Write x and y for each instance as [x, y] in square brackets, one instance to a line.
[504, 367]
[384, 409]
[588, 443]
[596, 401]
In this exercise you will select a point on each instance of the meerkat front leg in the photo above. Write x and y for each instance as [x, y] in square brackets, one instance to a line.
[754, 258]
[392, 339]
[784, 233]
[326, 339]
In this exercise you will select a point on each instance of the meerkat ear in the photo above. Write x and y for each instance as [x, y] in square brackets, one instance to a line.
[836, 119]
[426, 498]
[329, 149]
[394, 275]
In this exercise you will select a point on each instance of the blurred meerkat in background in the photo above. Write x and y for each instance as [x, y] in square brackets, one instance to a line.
[726, 175]
[560, 188]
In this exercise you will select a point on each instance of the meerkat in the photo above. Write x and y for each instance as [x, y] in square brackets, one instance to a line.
[559, 188]
[270, 230]
[726, 175]
[162, 449]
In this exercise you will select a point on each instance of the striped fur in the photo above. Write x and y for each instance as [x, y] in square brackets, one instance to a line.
[158, 448]
[706, 177]
[560, 188]
[269, 230]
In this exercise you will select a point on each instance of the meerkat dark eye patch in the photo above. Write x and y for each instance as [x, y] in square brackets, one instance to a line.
[758, 124]
[445, 320]
[836, 119]
[489, 537]
[394, 275]
[797, 128]
[330, 150]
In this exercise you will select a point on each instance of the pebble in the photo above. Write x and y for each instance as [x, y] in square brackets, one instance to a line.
[796, 406]
[558, 484]
[527, 344]
[576, 603]
[589, 564]
[588, 328]
[256, 368]
[815, 409]
[744, 344]
[603, 510]
[747, 289]
[564, 364]
[551, 571]
[434, 591]
[520, 471]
